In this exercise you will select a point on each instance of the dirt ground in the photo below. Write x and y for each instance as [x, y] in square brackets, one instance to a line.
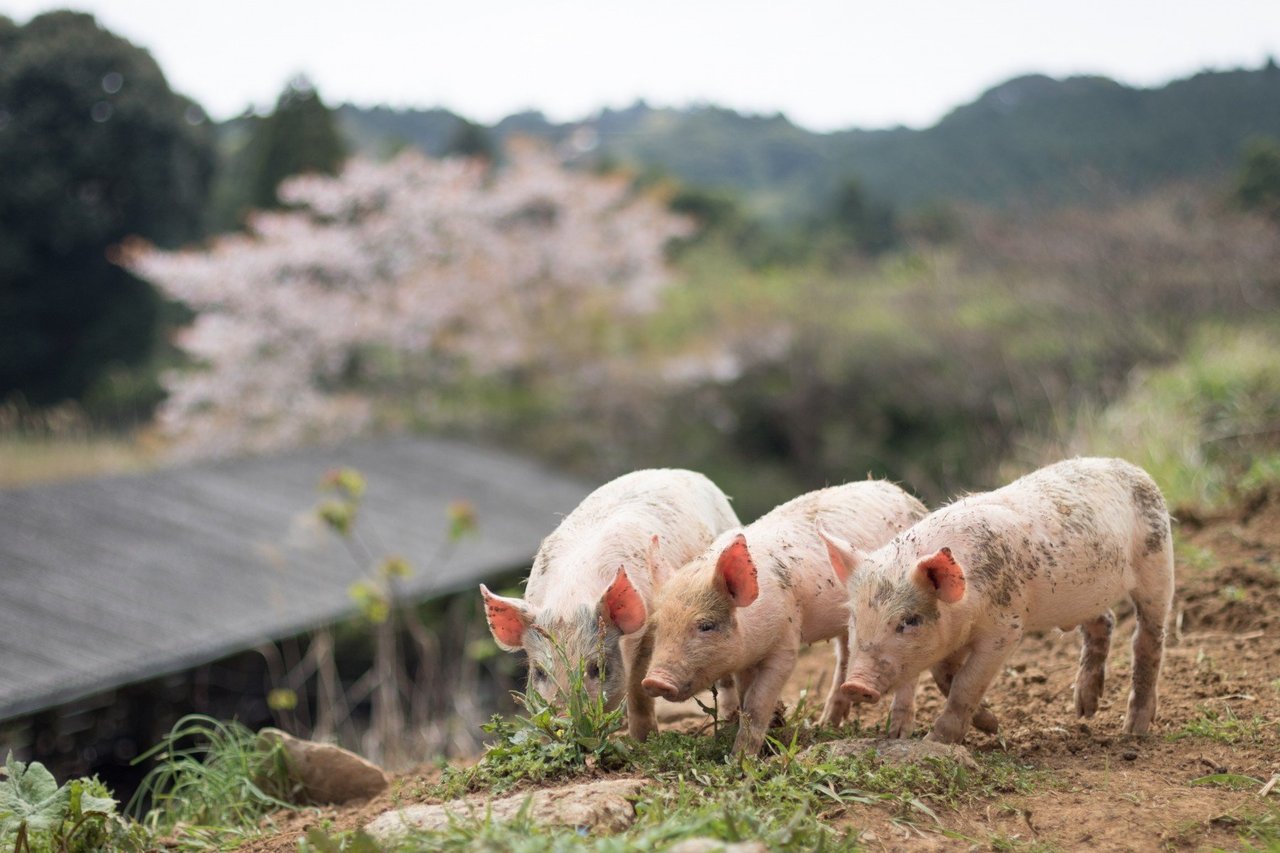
[1098, 789]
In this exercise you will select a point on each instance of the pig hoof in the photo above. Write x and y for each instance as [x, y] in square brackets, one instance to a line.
[641, 729]
[834, 714]
[985, 721]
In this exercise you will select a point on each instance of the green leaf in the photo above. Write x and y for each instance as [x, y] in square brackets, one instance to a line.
[30, 795]
[1233, 781]
[83, 802]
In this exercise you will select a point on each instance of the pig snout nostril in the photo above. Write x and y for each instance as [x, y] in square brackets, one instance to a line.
[860, 692]
[658, 687]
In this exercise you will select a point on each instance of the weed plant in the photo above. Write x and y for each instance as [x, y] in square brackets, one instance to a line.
[214, 780]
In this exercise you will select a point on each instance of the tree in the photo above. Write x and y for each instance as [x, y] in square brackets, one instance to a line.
[94, 147]
[470, 140]
[391, 280]
[299, 137]
[1258, 182]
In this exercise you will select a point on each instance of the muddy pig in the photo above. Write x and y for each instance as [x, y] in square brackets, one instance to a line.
[956, 592]
[746, 605]
[584, 603]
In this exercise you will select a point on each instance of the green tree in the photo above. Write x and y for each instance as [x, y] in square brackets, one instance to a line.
[1258, 182]
[299, 136]
[94, 148]
[470, 140]
[860, 222]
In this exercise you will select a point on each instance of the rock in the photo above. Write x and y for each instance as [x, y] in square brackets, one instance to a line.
[713, 845]
[327, 773]
[605, 806]
[896, 751]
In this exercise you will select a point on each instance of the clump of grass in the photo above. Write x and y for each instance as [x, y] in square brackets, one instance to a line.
[1204, 427]
[549, 741]
[1221, 726]
[213, 781]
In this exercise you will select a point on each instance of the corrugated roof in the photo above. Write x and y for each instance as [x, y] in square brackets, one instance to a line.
[118, 579]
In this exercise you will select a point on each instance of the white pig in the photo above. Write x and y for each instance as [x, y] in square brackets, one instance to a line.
[957, 591]
[592, 577]
[746, 605]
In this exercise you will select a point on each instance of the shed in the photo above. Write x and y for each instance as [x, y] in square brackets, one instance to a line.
[113, 580]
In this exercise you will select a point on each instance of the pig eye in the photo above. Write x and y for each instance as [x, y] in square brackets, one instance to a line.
[706, 625]
[911, 621]
[593, 670]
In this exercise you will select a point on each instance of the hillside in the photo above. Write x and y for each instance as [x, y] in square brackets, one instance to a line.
[1032, 139]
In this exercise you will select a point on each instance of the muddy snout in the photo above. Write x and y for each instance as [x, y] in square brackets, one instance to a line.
[660, 685]
[859, 691]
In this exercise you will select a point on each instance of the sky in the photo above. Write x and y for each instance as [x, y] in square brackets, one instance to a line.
[825, 64]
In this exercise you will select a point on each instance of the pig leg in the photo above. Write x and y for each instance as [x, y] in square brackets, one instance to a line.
[727, 696]
[984, 719]
[641, 719]
[902, 713]
[970, 683]
[759, 700]
[1096, 637]
[837, 703]
[1152, 597]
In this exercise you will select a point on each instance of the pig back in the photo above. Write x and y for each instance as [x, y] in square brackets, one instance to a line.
[1063, 540]
[615, 525]
[867, 513]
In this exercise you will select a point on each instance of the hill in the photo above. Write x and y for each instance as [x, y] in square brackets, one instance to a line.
[1030, 140]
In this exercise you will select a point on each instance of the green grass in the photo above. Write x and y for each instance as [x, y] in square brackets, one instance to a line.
[1204, 427]
[1223, 726]
[213, 780]
[789, 800]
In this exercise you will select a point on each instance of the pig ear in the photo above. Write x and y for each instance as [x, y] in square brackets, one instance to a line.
[845, 558]
[657, 570]
[942, 574]
[737, 571]
[622, 605]
[508, 618]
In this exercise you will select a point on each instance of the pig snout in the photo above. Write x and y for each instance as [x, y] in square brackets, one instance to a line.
[661, 686]
[860, 692]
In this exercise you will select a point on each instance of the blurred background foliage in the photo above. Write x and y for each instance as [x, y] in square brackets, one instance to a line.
[1059, 266]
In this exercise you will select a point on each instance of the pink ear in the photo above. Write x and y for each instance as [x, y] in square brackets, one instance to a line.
[508, 618]
[623, 604]
[942, 573]
[657, 572]
[737, 571]
[843, 556]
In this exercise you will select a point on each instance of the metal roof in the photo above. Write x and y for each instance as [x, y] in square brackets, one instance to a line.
[118, 579]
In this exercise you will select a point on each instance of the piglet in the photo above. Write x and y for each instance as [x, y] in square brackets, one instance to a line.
[957, 591]
[592, 577]
[746, 605]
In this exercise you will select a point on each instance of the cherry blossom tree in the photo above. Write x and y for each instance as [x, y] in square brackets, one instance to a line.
[413, 268]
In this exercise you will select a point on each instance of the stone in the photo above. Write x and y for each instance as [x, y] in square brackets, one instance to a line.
[327, 774]
[604, 806]
[899, 751]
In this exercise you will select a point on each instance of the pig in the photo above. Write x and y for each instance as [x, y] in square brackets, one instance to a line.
[957, 592]
[592, 577]
[746, 604]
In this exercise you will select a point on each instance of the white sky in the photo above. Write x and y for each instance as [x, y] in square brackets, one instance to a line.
[826, 64]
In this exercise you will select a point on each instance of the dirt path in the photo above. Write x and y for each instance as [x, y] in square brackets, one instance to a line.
[1095, 788]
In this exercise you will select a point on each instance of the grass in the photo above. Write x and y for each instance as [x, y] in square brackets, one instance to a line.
[1222, 726]
[27, 460]
[799, 796]
[214, 780]
[1204, 427]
